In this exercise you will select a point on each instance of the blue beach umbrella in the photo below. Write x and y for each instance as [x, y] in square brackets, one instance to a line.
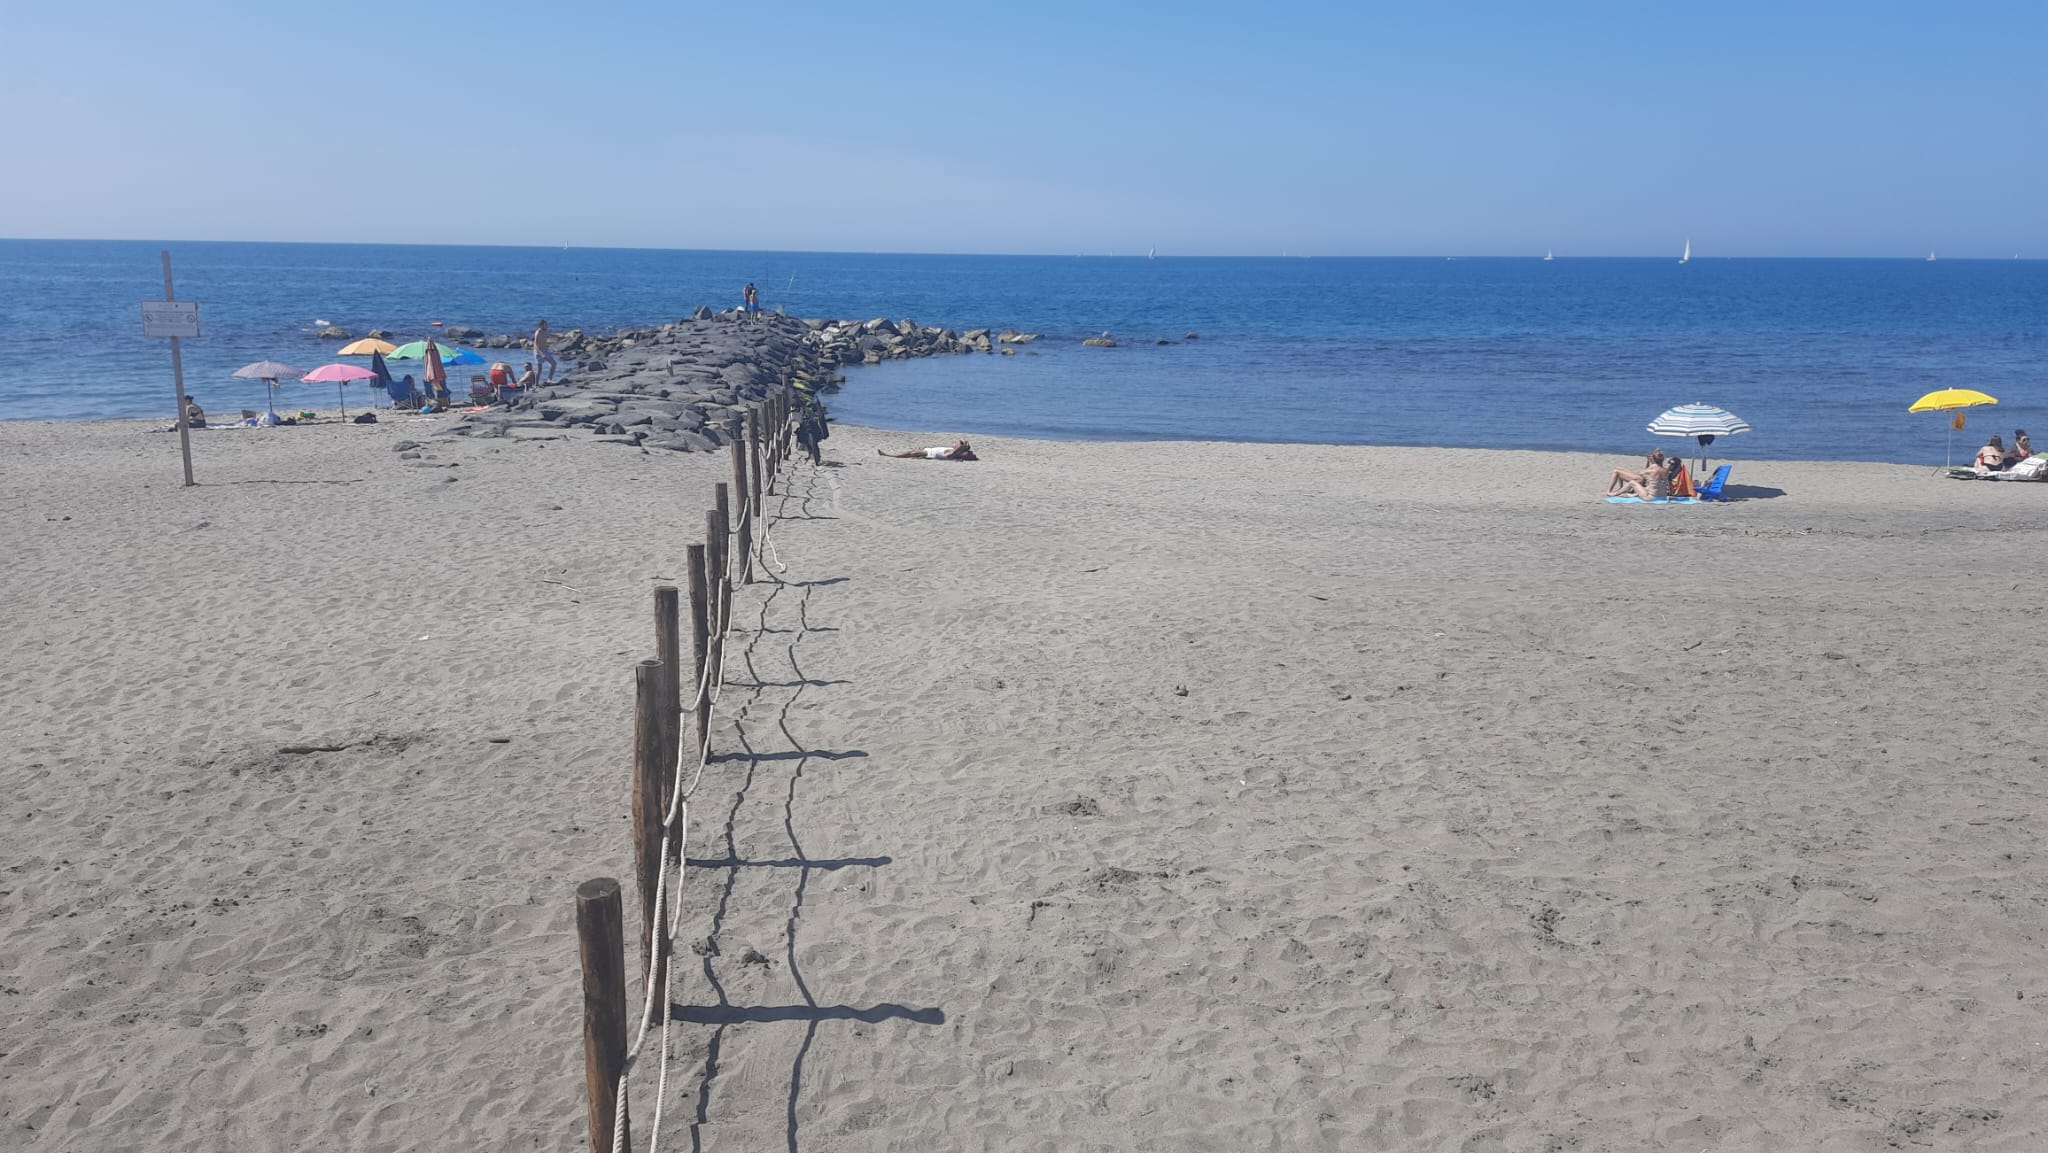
[383, 372]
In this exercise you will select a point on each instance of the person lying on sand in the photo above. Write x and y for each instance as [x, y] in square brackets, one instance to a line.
[960, 450]
[1623, 480]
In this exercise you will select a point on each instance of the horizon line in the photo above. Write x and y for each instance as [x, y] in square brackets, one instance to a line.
[1284, 254]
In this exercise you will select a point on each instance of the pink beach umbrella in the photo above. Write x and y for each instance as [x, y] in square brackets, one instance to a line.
[340, 375]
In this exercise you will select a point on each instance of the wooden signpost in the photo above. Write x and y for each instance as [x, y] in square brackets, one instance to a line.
[176, 319]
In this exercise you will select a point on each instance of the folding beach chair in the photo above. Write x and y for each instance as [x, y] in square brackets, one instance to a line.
[1712, 489]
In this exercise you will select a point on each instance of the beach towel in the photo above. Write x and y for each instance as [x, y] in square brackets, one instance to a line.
[1681, 484]
[1658, 500]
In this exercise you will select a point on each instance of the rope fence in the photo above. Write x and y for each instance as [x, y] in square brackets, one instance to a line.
[761, 443]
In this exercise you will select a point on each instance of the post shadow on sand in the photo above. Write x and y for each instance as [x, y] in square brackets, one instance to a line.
[724, 1015]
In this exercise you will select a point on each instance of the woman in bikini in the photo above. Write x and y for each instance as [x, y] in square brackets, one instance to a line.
[1625, 482]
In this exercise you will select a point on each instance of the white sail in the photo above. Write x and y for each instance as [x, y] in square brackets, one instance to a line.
[1688, 251]
[1548, 255]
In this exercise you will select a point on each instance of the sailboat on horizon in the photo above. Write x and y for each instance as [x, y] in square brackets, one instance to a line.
[1152, 253]
[1688, 251]
[1548, 255]
[1930, 256]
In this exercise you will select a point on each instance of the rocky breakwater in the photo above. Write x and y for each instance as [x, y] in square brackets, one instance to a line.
[676, 386]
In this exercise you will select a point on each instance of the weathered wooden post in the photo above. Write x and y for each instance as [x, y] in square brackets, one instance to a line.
[721, 546]
[756, 433]
[600, 931]
[700, 644]
[668, 649]
[745, 530]
[647, 773]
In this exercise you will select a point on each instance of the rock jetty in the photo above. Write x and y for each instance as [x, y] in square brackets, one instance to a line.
[675, 386]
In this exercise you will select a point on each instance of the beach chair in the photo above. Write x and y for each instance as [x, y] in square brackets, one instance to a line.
[403, 393]
[1712, 489]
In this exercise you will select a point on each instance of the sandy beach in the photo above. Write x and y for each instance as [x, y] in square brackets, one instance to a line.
[1154, 796]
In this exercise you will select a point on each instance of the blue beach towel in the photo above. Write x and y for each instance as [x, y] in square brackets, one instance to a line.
[1640, 500]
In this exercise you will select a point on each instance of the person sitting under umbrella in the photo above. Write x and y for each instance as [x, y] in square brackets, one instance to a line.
[1991, 457]
[1624, 482]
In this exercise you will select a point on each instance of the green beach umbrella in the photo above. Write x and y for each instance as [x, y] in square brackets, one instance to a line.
[417, 350]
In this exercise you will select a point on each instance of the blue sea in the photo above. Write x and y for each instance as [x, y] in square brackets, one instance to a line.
[1821, 356]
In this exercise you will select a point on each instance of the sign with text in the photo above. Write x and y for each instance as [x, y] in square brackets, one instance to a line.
[170, 318]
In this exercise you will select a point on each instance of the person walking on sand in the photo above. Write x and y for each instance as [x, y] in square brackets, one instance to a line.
[541, 355]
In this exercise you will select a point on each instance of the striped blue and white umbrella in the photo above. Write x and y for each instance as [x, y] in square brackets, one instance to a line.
[1703, 421]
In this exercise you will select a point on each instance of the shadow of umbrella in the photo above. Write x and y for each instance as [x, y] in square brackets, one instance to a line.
[269, 372]
[338, 375]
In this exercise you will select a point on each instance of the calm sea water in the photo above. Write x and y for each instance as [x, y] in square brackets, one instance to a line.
[1822, 356]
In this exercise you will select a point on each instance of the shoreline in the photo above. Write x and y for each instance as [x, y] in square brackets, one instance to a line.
[454, 424]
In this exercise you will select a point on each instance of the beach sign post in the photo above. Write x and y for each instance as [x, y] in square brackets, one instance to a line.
[176, 319]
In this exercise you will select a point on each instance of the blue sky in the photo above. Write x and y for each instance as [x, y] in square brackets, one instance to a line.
[1332, 129]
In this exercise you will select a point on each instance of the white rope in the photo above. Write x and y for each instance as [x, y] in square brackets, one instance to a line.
[676, 827]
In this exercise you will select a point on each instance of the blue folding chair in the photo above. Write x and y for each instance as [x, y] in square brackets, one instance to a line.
[1712, 489]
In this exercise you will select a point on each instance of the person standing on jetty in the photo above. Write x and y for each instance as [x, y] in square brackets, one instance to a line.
[750, 298]
[541, 355]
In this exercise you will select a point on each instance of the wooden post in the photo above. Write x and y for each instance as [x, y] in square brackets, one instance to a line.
[668, 649]
[600, 930]
[744, 573]
[718, 586]
[755, 435]
[647, 773]
[178, 378]
[700, 644]
[721, 547]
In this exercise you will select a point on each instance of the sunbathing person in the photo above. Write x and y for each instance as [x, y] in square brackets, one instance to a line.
[960, 450]
[1991, 458]
[2022, 448]
[1622, 479]
[1654, 485]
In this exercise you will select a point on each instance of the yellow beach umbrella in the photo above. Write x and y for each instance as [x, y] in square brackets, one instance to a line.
[366, 346]
[1942, 400]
